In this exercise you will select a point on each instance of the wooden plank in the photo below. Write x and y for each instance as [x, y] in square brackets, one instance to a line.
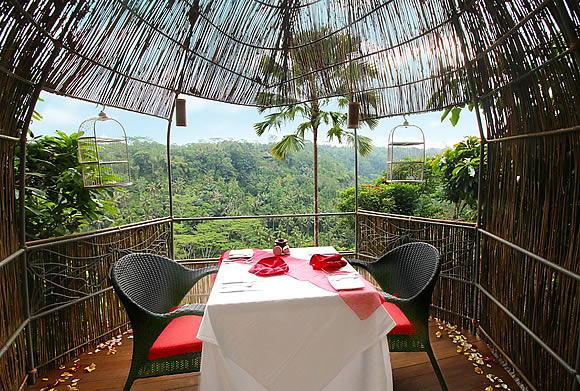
[411, 371]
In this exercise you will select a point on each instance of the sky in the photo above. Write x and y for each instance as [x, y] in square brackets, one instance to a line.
[213, 121]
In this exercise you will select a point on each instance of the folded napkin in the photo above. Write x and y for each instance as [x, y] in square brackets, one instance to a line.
[327, 261]
[270, 266]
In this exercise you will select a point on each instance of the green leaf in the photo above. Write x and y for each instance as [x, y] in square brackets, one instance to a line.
[455, 113]
[445, 114]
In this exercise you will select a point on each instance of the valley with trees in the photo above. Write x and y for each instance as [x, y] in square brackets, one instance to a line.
[230, 178]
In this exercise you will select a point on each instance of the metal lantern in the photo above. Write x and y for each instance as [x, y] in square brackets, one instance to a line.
[406, 154]
[103, 153]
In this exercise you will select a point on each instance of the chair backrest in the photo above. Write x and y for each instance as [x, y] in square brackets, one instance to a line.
[149, 281]
[408, 270]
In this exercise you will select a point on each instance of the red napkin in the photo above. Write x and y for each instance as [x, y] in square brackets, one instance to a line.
[327, 261]
[270, 266]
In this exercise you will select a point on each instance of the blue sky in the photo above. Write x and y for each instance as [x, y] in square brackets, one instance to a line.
[208, 120]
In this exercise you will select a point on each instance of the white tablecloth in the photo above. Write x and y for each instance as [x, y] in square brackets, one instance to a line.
[289, 335]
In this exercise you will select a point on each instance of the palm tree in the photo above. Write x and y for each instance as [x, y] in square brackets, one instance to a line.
[308, 84]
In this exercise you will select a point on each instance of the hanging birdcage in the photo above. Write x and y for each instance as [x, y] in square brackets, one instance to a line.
[103, 153]
[406, 154]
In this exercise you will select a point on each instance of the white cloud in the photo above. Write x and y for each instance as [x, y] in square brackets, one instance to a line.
[61, 117]
[196, 105]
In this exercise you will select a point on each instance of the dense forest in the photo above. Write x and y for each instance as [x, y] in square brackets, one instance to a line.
[229, 178]
[241, 179]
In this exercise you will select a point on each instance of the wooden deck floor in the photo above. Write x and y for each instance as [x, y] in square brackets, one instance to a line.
[411, 371]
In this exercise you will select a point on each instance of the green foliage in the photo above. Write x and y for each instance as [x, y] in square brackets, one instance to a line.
[210, 237]
[455, 113]
[238, 178]
[370, 197]
[405, 196]
[56, 201]
[209, 179]
[397, 198]
[412, 199]
[459, 169]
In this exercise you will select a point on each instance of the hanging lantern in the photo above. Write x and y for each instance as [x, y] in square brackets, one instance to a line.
[406, 154]
[103, 153]
[180, 118]
[353, 115]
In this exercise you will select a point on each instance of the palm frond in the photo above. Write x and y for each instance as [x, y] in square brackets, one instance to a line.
[289, 143]
[302, 128]
[368, 98]
[337, 118]
[364, 145]
[335, 131]
[273, 121]
[372, 123]
[342, 102]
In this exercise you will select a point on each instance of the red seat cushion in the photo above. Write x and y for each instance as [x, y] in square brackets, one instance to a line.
[179, 337]
[403, 325]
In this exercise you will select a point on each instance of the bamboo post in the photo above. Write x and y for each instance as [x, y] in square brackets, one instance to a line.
[568, 29]
[475, 100]
[576, 380]
[23, 139]
[356, 215]
[169, 179]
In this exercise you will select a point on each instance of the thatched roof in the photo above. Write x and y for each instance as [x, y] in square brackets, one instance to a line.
[406, 54]
[519, 60]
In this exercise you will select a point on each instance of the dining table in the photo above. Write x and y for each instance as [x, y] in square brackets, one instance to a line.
[300, 329]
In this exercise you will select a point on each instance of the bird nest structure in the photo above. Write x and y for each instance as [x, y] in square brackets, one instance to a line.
[516, 61]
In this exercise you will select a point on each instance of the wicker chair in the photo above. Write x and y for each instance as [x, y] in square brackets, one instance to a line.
[409, 273]
[150, 288]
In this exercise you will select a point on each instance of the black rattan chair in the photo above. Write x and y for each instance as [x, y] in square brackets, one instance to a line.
[150, 288]
[409, 273]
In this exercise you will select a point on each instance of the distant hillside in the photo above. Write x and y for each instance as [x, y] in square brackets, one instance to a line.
[230, 178]
[373, 165]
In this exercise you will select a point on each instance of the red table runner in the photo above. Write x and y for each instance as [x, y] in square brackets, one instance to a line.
[363, 301]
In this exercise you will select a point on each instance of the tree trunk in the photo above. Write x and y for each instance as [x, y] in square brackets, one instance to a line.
[315, 152]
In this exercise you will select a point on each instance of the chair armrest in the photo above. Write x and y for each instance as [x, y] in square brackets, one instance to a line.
[190, 309]
[204, 271]
[358, 262]
[394, 299]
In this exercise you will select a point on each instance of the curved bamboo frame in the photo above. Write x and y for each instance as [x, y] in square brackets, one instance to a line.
[522, 75]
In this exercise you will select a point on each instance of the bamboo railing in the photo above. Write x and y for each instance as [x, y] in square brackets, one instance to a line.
[453, 298]
[72, 304]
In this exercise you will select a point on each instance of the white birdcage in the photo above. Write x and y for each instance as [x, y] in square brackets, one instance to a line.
[406, 154]
[103, 153]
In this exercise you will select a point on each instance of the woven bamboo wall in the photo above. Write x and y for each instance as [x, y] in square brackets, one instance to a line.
[12, 363]
[454, 293]
[17, 93]
[77, 269]
[528, 83]
[539, 212]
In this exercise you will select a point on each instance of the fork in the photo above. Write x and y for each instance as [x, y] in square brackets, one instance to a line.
[337, 272]
[347, 277]
[238, 260]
